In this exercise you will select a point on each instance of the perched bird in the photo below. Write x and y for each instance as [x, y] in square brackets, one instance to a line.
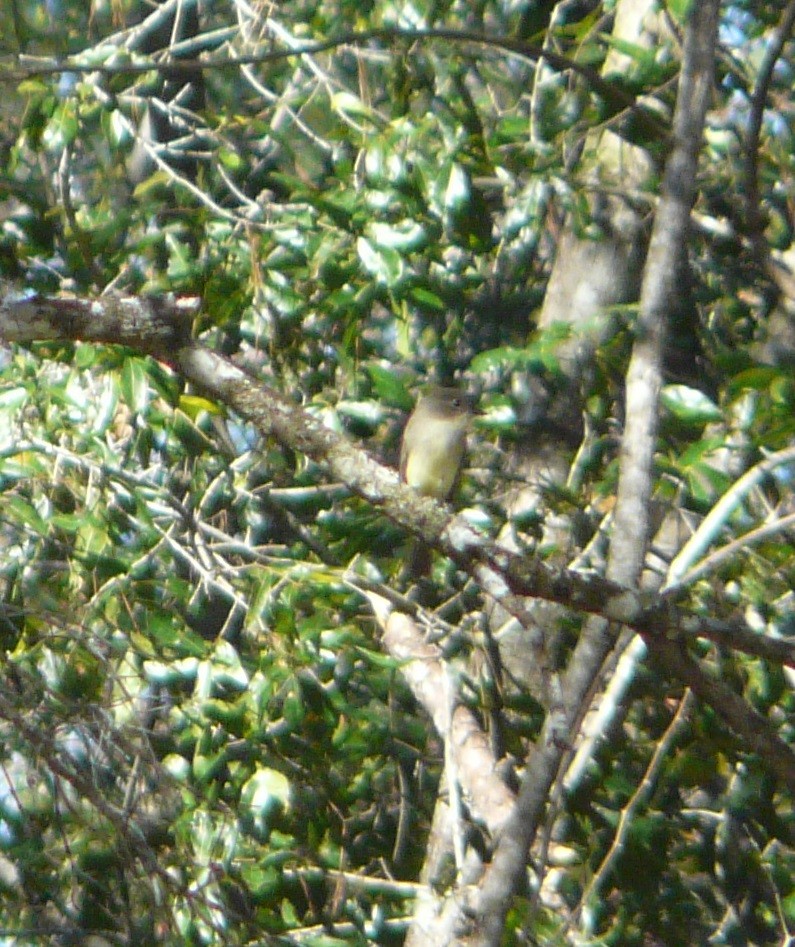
[434, 443]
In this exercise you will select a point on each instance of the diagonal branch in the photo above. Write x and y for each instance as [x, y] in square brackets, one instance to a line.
[161, 327]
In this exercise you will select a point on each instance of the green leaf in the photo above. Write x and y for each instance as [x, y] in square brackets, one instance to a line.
[208, 765]
[33, 87]
[782, 390]
[498, 415]
[190, 434]
[231, 160]
[458, 190]
[388, 387]
[539, 355]
[13, 398]
[158, 672]
[151, 185]
[24, 465]
[427, 299]
[194, 405]
[499, 358]
[81, 676]
[15, 508]
[353, 107]
[91, 538]
[690, 405]
[62, 128]
[377, 659]
[640, 54]
[680, 9]
[369, 413]
[383, 263]
[225, 669]
[177, 767]
[266, 790]
[756, 379]
[85, 356]
[118, 126]
[407, 235]
[134, 384]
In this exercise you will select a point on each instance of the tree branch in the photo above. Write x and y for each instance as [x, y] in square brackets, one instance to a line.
[630, 527]
[22, 67]
[754, 217]
[422, 665]
[161, 326]
[758, 736]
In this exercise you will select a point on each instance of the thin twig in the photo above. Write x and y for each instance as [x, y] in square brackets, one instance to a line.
[751, 538]
[717, 517]
[38, 66]
[639, 798]
[755, 219]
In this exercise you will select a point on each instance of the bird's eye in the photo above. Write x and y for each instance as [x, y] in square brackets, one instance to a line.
[457, 402]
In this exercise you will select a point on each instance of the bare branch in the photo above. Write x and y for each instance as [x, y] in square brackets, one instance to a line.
[161, 326]
[157, 326]
[754, 217]
[639, 798]
[490, 800]
[18, 68]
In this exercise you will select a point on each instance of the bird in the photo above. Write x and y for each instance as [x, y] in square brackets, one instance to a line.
[432, 452]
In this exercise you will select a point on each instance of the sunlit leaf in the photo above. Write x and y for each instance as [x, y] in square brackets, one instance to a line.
[405, 236]
[13, 398]
[62, 128]
[194, 405]
[230, 159]
[690, 404]
[457, 191]
[158, 672]
[134, 384]
[351, 105]
[266, 790]
[383, 263]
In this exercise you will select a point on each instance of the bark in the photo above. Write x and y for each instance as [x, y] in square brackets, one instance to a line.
[591, 275]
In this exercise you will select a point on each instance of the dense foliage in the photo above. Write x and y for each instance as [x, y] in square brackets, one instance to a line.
[203, 741]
